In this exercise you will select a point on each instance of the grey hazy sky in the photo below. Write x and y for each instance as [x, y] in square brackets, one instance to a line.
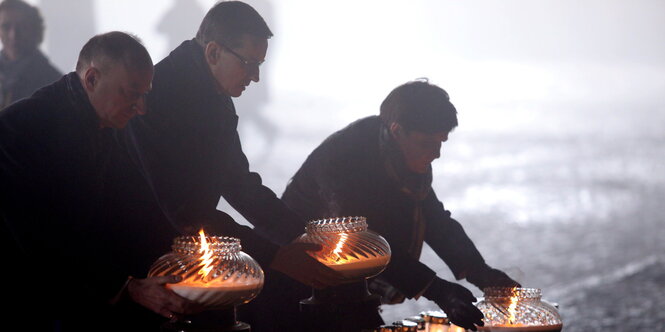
[566, 30]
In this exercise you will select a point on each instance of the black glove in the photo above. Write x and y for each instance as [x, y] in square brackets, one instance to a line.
[486, 276]
[457, 302]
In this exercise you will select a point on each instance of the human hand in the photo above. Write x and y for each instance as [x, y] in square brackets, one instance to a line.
[457, 302]
[490, 277]
[293, 260]
[152, 294]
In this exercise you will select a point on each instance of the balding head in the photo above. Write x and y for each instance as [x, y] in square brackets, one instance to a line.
[116, 73]
[111, 48]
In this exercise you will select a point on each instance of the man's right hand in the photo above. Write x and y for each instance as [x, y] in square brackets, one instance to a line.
[457, 302]
[293, 260]
[152, 294]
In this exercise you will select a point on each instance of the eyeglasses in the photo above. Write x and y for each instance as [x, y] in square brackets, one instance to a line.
[248, 64]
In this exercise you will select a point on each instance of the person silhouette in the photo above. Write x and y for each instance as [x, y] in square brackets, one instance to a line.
[23, 67]
[180, 22]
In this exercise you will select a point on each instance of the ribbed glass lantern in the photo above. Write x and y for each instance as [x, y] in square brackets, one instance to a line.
[518, 309]
[214, 270]
[348, 246]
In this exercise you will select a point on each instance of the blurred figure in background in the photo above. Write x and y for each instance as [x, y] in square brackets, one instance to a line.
[23, 67]
[63, 257]
[179, 22]
[380, 167]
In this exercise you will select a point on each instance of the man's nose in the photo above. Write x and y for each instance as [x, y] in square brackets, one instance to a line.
[254, 74]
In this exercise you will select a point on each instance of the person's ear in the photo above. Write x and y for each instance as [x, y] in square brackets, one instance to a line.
[212, 53]
[396, 130]
[91, 78]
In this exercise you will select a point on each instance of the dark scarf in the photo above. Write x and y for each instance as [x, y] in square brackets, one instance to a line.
[416, 186]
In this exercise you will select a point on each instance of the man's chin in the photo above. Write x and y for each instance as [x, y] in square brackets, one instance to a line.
[238, 92]
[418, 169]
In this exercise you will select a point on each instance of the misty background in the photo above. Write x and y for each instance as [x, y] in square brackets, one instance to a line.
[556, 170]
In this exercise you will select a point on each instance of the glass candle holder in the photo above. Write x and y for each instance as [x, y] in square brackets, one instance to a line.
[348, 246]
[215, 272]
[435, 321]
[518, 309]
[419, 320]
[406, 326]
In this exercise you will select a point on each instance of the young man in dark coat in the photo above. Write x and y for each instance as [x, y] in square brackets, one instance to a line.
[380, 167]
[23, 67]
[64, 262]
[188, 149]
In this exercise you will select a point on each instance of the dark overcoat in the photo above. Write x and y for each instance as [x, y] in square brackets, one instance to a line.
[63, 258]
[346, 176]
[188, 149]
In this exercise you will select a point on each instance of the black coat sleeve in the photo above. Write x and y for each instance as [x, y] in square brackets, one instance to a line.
[177, 161]
[244, 190]
[447, 238]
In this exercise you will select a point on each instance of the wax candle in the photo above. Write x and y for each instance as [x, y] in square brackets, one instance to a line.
[218, 294]
[358, 268]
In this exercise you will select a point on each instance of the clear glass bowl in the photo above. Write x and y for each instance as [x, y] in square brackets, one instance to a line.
[518, 309]
[220, 277]
[348, 246]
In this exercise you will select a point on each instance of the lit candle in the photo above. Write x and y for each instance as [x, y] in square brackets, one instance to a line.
[455, 328]
[435, 321]
[215, 272]
[437, 328]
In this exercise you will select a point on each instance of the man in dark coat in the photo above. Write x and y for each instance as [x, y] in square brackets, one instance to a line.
[188, 149]
[65, 263]
[379, 167]
[23, 67]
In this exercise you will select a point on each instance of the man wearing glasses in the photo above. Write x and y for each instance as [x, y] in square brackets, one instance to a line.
[188, 148]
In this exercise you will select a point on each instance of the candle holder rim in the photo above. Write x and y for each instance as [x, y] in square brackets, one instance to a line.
[507, 292]
[349, 224]
[219, 245]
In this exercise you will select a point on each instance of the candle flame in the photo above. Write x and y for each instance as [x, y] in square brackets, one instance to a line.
[512, 308]
[206, 256]
[340, 245]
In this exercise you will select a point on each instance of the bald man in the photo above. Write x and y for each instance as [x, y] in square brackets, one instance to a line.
[63, 257]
